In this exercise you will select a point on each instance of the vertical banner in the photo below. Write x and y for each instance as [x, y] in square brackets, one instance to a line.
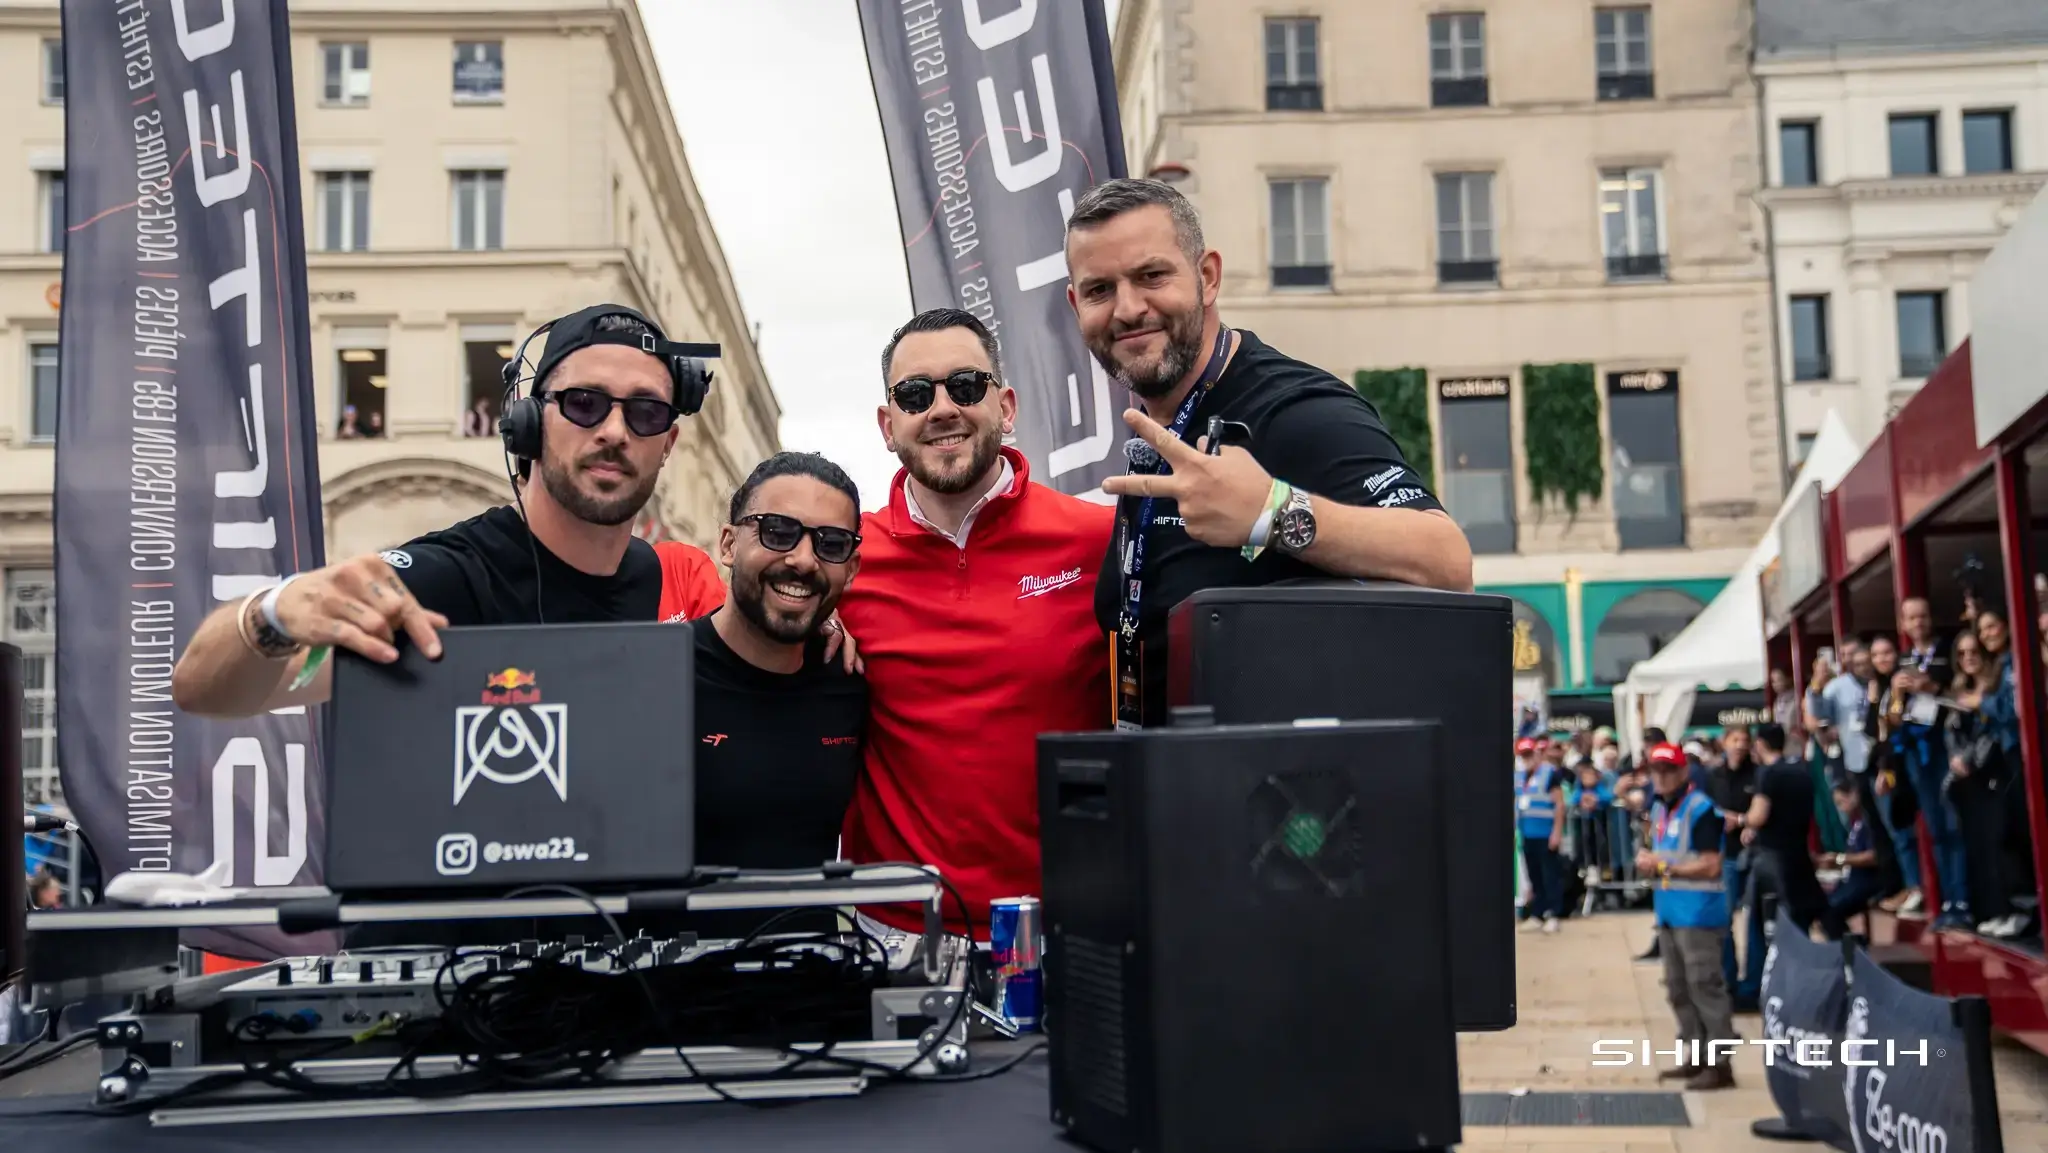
[186, 475]
[1805, 1002]
[998, 115]
[1912, 1085]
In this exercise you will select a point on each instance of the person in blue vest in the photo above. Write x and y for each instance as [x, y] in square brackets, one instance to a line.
[1683, 861]
[1539, 817]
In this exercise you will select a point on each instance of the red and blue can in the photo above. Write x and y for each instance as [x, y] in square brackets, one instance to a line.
[1016, 937]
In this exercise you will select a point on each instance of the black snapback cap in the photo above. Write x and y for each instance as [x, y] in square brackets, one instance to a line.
[579, 330]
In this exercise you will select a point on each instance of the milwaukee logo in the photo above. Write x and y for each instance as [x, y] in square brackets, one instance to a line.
[1379, 481]
[1033, 586]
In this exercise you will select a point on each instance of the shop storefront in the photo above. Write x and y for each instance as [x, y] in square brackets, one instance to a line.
[1585, 635]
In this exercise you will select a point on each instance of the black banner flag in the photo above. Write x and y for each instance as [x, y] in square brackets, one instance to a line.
[1805, 999]
[998, 115]
[186, 475]
[1920, 1080]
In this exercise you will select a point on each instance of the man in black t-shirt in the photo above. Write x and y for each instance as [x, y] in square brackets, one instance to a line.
[1776, 828]
[606, 412]
[1318, 488]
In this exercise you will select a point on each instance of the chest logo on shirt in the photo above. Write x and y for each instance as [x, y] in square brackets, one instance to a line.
[838, 740]
[511, 737]
[1378, 482]
[1037, 586]
[1400, 496]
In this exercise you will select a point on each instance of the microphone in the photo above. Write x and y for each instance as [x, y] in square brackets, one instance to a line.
[33, 822]
[1141, 454]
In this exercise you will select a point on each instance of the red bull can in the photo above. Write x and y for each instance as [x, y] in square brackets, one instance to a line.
[1016, 937]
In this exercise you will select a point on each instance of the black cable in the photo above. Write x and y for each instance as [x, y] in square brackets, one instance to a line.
[532, 545]
[36, 1058]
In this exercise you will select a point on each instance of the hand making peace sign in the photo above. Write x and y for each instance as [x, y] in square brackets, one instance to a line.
[1220, 497]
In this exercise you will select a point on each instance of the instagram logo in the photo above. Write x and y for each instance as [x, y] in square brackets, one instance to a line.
[455, 854]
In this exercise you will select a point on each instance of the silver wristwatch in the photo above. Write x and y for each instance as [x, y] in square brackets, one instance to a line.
[1294, 526]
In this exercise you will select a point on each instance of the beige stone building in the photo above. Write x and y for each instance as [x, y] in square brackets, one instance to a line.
[1544, 211]
[470, 169]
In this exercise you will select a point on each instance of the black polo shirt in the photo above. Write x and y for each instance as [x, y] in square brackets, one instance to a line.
[1307, 428]
[488, 570]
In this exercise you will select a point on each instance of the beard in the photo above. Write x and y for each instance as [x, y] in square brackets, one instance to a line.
[750, 593]
[1183, 333]
[986, 444]
[615, 508]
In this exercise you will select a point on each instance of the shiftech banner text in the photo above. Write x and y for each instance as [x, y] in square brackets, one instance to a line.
[185, 467]
[995, 126]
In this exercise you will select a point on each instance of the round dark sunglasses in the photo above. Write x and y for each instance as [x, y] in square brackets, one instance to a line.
[781, 534]
[588, 408]
[914, 394]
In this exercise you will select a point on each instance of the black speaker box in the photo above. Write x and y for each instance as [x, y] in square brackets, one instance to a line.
[1245, 939]
[1355, 650]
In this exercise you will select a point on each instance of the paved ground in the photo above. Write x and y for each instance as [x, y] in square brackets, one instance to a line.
[1582, 985]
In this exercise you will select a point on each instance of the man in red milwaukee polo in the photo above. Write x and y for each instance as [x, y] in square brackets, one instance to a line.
[974, 610]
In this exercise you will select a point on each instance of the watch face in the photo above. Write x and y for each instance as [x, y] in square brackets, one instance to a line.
[1296, 529]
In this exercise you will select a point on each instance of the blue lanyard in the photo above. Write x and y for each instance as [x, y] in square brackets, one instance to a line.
[1134, 542]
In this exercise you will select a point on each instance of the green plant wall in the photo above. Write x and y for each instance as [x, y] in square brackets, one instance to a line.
[1561, 444]
[1402, 396]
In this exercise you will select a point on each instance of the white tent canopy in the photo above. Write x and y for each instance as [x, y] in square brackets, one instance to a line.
[1723, 647]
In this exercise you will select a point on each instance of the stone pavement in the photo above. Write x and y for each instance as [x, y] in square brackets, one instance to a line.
[1582, 984]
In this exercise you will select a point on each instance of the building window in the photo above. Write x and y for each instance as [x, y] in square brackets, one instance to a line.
[1479, 461]
[1301, 233]
[344, 211]
[479, 210]
[1621, 45]
[1987, 141]
[1464, 228]
[32, 625]
[1913, 148]
[1810, 360]
[1802, 448]
[42, 372]
[1457, 59]
[1923, 337]
[53, 226]
[1291, 76]
[485, 352]
[1798, 156]
[1637, 628]
[1649, 490]
[1631, 215]
[479, 72]
[53, 72]
[363, 385]
[346, 70]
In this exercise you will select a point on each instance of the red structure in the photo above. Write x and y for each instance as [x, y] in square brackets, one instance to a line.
[1927, 512]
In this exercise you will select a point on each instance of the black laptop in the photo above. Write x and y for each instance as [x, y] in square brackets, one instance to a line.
[527, 754]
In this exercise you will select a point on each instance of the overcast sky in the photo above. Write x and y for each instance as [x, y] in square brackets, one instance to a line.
[778, 118]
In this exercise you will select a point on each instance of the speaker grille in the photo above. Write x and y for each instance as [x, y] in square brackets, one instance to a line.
[1305, 834]
[1092, 980]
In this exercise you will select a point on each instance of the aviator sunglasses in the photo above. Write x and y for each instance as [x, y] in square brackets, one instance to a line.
[914, 394]
[588, 408]
[781, 533]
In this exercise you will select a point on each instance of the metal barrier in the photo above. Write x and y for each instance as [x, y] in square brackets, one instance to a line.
[1601, 844]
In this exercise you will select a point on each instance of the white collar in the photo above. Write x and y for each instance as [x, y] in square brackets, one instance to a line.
[1004, 477]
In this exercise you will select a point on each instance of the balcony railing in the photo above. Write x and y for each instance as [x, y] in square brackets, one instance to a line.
[1648, 266]
[1468, 92]
[1468, 271]
[1628, 86]
[1294, 97]
[1301, 276]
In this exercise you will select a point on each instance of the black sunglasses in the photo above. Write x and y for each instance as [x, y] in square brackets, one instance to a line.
[588, 408]
[914, 394]
[781, 534]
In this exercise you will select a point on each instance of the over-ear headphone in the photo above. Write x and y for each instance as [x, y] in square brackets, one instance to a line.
[520, 425]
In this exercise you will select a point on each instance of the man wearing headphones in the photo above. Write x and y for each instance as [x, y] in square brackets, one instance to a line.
[594, 435]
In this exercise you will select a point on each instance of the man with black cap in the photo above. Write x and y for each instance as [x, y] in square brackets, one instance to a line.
[604, 410]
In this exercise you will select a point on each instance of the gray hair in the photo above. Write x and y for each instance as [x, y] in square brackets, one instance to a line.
[1112, 198]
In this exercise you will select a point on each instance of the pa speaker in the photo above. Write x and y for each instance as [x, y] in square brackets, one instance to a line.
[1360, 651]
[1245, 939]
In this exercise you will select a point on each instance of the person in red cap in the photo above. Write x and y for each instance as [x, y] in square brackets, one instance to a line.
[1683, 862]
[1539, 815]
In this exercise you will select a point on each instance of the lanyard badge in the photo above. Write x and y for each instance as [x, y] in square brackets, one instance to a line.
[1128, 668]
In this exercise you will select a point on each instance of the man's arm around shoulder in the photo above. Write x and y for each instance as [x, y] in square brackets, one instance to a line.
[359, 604]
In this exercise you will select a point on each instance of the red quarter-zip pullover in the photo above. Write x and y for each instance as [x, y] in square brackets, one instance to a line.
[971, 653]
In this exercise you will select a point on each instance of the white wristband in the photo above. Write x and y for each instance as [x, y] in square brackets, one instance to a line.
[268, 605]
[1262, 530]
